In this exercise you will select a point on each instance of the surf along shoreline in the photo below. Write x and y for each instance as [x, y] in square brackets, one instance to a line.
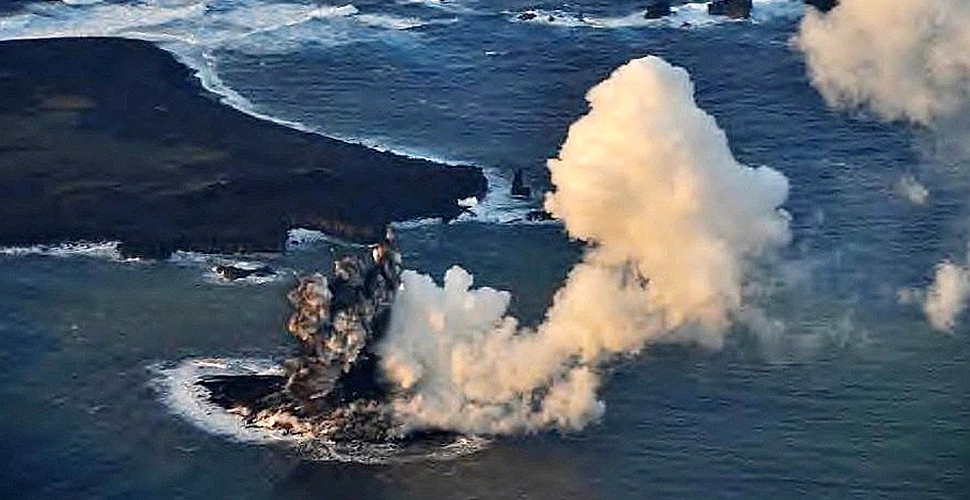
[109, 139]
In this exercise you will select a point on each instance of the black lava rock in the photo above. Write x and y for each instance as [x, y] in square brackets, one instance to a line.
[735, 9]
[657, 10]
[106, 139]
[823, 5]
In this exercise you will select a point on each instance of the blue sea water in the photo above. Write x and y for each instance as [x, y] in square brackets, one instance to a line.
[859, 398]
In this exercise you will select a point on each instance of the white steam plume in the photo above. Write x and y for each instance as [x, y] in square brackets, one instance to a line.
[903, 59]
[947, 297]
[673, 222]
[911, 189]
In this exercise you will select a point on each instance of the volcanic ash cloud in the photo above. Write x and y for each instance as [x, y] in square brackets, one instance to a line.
[902, 59]
[672, 221]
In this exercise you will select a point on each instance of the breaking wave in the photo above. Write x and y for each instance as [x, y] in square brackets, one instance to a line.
[106, 250]
[689, 15]
[110, 251]
[177, 390]
[209, 264]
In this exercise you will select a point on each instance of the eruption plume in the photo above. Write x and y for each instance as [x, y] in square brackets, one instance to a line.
[902, 59]
[672, 222]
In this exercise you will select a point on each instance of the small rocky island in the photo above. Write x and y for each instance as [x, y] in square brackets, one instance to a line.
[105, 139]
[330, 389]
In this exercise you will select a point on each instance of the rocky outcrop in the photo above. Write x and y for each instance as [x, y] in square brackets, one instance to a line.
[658, 9]
[230, 272]
[519, 189]
[111, 139]
[823, 5]
[735, 9]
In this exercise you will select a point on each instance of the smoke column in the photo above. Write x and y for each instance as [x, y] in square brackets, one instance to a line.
[672, 222]
[902, 59]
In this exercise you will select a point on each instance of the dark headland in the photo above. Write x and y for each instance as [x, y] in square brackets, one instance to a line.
[111, 139]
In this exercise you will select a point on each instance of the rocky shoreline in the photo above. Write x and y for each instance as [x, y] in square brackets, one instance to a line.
[112, 139]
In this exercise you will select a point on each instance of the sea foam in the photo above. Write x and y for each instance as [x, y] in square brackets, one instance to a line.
[688, 15]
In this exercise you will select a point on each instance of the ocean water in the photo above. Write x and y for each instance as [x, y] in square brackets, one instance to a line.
[858, 398]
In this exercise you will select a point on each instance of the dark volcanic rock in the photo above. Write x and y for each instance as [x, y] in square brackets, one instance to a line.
[519, 189]
[110, 139]
[736, 9]
[658, 9]
[538, 215]
[232, 273]
[233, 391]
[823, 5]
[331, 388]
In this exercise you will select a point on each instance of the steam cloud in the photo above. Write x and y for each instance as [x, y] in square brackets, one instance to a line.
[912, 190]
[947, 297]
[673, 223]
[903, 59]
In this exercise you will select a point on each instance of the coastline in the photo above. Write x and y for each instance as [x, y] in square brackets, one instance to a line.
[114, 139]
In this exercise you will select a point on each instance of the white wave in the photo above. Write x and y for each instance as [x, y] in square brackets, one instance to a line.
[107, 250]
[689, 15]
[550, 17]
[416, 223]
[243, 27]
[181, 395]
[769, 10]
[209, 262]
[191, 23]
[302, 239]
[391, 22]
[499, 206]
[451, 6]
[60, 20]
[179, 392]
[686, 15]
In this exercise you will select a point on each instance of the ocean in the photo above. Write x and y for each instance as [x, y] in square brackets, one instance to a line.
[857, 397]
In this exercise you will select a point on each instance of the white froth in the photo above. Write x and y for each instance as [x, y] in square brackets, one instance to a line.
[207, 263]
[499, 206]
[179, 392]
[302, 238]
[107, 250]
[416, 223]
[689, 15]
[393, 22]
